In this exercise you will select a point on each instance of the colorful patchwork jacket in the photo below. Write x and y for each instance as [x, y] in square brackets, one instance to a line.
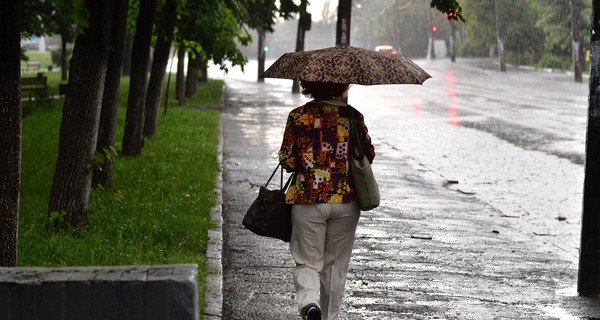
[315, 146]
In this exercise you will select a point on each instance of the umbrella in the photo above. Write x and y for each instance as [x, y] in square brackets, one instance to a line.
[347, 64]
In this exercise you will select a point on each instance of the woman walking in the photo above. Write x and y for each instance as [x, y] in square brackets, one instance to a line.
[325, 212]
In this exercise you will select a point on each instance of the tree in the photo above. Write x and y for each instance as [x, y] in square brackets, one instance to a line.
[71, 186]
[63, 18]
[210, 30]
[499, 36]
[105, 148]
[165, 30]
[588, 284]
[261, 16]
[10, 130]
[180, 77]
[133, 139]
[576, 52]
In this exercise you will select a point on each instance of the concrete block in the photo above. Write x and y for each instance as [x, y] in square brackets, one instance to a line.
[58, 275]
[130, 300]
[23, 299]
[78, 301]
[185, 270]
[51, 300]
[134, 275]
[104, 300]
[183, 299]
[5, 300]
[156, 300]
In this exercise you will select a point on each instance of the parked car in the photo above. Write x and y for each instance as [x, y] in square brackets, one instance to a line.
[386, 49]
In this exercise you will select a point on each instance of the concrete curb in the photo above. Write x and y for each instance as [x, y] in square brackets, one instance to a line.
[213, 297]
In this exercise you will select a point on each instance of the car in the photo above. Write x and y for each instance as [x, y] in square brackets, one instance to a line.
[386, 49]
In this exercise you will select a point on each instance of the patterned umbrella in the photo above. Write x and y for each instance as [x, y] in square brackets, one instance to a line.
[346, 64]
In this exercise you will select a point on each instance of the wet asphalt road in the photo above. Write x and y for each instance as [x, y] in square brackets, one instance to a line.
[487, 247]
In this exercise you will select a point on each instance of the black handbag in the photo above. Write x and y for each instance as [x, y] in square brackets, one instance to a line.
[269, 215]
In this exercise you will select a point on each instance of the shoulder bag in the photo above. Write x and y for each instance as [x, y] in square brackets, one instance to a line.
[366, 187]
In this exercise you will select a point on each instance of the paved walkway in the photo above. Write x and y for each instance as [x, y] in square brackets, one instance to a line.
[428, 252]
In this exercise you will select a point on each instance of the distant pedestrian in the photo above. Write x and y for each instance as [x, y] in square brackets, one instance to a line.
[325, 209]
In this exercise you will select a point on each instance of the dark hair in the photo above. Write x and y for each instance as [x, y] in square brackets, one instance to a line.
[323, 90]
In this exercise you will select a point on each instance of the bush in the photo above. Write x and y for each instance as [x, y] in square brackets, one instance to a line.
[551, 61]
[56, 54]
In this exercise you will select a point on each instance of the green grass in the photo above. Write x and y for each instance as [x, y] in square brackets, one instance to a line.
[158, 211]
[43, 58]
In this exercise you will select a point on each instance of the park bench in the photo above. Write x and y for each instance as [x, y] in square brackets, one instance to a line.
[32, 66]
[37, 86]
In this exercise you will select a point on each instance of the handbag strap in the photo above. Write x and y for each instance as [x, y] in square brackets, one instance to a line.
[281, 178]
[356, 137]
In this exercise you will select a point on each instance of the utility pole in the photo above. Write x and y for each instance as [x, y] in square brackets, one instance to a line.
[342, 34]
[576, 52]
[499, 37]
[304, 22]
[588, 284]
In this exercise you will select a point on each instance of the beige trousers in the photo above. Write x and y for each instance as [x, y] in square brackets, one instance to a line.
[321, 244]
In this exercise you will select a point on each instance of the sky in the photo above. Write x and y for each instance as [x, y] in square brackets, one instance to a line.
[316, 8]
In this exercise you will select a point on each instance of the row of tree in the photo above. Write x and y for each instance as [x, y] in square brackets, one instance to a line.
[205, 30]
[533, 32]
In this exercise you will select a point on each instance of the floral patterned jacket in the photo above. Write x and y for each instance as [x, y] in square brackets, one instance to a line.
[315, 146]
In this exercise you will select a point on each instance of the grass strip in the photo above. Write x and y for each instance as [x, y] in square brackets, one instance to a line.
[158, 211]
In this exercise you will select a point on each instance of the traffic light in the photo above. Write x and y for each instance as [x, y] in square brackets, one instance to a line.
[266, 48]
[434, 28]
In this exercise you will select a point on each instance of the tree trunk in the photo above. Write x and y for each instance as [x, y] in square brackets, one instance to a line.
[180, 79]
[126, 66]
[300, 40]
[431, 43]
[502, 66]
[72, 181]
[64, 66]
[110, 99]
[204, 70]
[589, 254]
[452, 41]
[133, 138]
[575, 44]
[342, 33]
[261, 55]
[159, 65]
[10, 130]
[191, 80]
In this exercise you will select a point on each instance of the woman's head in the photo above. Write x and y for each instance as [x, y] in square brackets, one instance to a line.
[324, 90]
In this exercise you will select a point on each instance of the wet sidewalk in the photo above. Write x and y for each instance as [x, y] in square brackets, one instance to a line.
[428, 252]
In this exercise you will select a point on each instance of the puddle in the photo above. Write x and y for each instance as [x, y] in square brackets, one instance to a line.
[558, 313]
[567, 292]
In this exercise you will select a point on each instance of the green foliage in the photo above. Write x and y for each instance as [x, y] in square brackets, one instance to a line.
[554, 18]
[56, 55]
[100, 158]
[261, 15]
[451, 8]
[551, 61]
[212, 30]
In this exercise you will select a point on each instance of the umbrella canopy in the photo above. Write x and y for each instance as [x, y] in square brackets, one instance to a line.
[346, 64]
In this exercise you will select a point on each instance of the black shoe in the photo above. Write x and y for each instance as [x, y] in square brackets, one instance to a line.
[313, 313]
